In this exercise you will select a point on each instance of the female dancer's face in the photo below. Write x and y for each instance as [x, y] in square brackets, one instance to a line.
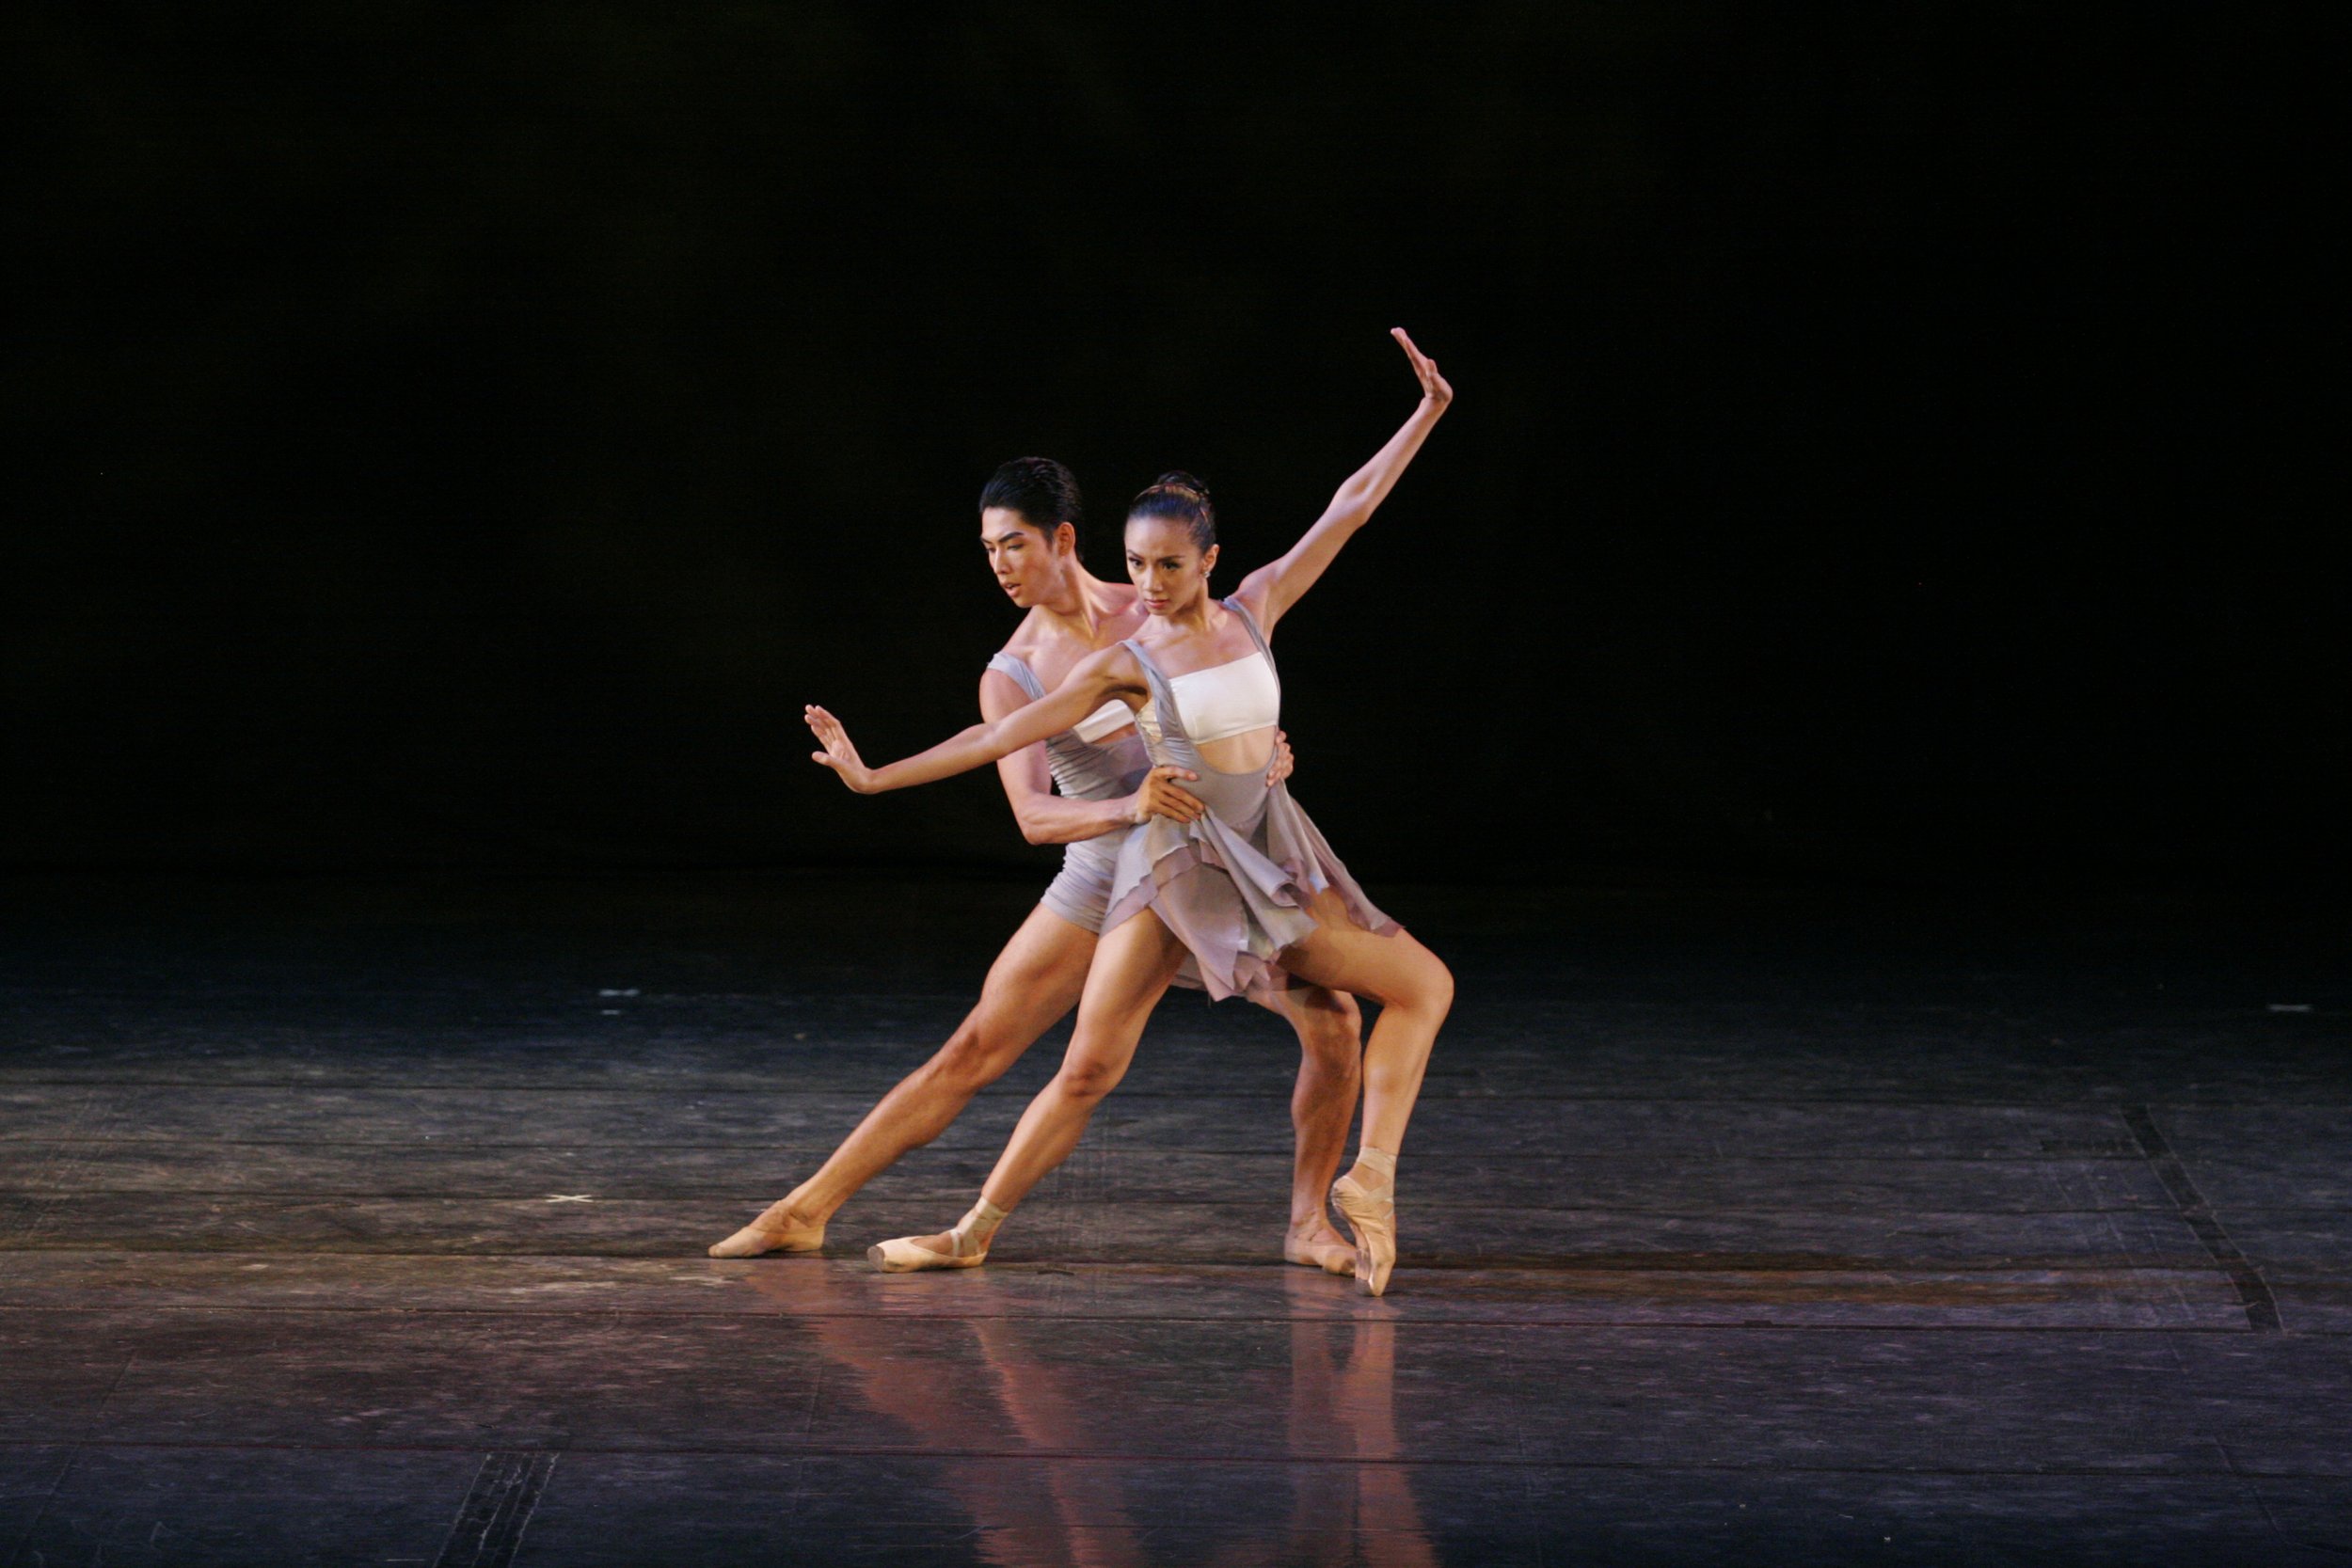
[1169, 571]
[1030, 562]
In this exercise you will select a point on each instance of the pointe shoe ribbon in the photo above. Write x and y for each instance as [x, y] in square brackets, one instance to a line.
[967, 1244]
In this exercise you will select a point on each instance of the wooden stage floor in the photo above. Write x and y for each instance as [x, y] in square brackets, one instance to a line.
[354, 1224]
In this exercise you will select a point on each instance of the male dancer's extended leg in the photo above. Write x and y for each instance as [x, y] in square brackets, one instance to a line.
[1330, 1069]
[1034, 981]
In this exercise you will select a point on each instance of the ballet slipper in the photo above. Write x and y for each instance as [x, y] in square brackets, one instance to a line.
[777, 1230]
[964, 1247]
[1369, 1210]
[1319, 1249]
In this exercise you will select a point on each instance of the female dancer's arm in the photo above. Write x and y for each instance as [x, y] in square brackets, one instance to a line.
[1099, 677]
[1046, 817]
[1271, 590]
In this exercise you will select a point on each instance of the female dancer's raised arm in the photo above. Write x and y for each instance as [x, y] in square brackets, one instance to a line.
[1272, 589]
[1094, 680]
[1268, 593]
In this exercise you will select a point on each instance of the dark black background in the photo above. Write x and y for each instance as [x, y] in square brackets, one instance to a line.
[455, 437]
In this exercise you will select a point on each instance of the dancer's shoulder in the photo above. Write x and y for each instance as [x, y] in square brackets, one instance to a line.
[1251, 604]
[1031, 637]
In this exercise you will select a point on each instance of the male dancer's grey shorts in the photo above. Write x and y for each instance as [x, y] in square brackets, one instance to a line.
[1082, 893]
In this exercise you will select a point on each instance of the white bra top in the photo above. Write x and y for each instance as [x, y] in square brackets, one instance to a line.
[1227, 699]
[1111, 718]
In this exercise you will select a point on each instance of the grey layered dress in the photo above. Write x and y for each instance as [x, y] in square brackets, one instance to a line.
[1232, 885]
[1081, 893]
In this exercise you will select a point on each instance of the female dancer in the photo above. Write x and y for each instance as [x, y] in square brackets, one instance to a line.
[1029, 516]
[1248, 891]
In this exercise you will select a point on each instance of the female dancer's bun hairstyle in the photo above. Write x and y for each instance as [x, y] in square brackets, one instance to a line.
[1042, 490]
[1176, 493]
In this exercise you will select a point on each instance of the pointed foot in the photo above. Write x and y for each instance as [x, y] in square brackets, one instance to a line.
[777, 1230]
[1319, 1248]
[913, 1254]
[1372, 1217]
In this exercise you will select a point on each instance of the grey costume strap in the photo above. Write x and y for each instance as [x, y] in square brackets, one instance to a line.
[1153, 673]
[1251, 621]
[1164, 713]
[1022, 676]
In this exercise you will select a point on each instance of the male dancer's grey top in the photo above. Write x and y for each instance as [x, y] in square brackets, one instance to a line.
[1081, 893]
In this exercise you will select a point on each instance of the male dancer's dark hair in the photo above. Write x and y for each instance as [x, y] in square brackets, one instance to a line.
[1042, 490]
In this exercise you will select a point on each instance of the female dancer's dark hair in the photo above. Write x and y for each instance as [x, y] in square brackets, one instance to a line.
[1179, 496]
[1042, 490]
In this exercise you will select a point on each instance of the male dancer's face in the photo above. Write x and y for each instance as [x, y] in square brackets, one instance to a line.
[1029, 562]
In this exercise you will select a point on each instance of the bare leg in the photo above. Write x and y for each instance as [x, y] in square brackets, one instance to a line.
[1133, 967]
[1330, 1069]
[1034, 981]
[1415, 991]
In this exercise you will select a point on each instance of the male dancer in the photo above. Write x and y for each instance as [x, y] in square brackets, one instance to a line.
[1029, 516]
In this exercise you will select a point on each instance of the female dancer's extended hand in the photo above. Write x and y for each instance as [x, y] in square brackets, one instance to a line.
[1433, 385]
[1271, 590]
[839, 754]
[1161, 796]
[1283, 762]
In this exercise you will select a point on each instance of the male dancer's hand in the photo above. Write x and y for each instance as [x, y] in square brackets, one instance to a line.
[1284, 761]
[839, 753]
[1161, 796]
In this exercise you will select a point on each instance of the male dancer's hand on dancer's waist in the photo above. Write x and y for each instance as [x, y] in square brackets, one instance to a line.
[1162, 796]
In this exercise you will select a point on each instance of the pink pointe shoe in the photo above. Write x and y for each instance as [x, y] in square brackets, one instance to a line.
[1370, 1214]
[777, 1230]
[964, 1247]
